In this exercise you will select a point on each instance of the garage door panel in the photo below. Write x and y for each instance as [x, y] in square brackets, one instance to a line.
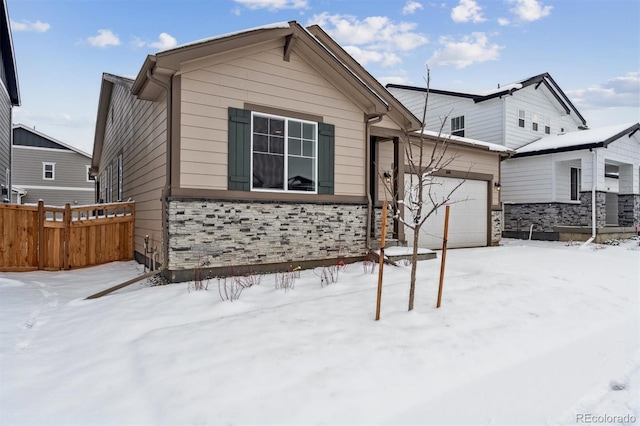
[468, 216]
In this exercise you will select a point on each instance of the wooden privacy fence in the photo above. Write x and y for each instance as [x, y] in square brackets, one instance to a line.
[54, 238]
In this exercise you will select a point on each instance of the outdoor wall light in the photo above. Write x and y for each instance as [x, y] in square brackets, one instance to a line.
[387, 177]
[497, 185]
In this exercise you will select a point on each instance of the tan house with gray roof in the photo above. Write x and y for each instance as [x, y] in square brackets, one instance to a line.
[258, 148]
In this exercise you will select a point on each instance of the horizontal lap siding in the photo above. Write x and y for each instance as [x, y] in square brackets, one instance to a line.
[5, 134]
[262, 78]
[138, 131]
[534, 101]
[527, 180]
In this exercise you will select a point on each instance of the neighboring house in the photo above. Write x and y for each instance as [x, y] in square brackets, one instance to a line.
[260, 148]
[9, 97]
[46, 169]
[548, 182]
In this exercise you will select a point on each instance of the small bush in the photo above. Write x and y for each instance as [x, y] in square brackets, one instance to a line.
[229, 289]
[328, 274]
[368, 266]
[246, 281]
[286, 280]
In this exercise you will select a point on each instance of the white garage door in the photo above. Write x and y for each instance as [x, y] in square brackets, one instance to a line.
[468, 215]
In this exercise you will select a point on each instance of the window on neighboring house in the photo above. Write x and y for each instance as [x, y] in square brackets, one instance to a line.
[120, 177]
[457, 126]
[521, 115]
[534, 122]
[109, 185]
[576, 175]
[89, 177]
[547, 125]
[49, 171]
[284, 153]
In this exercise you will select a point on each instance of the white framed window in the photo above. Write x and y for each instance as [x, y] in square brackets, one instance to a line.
[89, 177]
[457, 126]
[521, 116]
[109, 186]
[49, 171]
[284, 154]
[576, 177]
[534, 122]
[547, 125]
[119, 177]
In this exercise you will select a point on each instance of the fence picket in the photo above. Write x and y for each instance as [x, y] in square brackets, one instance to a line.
[53, 238]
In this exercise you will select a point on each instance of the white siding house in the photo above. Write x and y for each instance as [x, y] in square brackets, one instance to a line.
[547, 183]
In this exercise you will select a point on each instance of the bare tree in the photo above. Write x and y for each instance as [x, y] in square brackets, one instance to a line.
[419, 200]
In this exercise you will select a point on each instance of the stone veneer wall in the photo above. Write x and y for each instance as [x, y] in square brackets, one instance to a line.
[377, 220]
[629, 210]
[496, 227]
[229, 233]
[544, 216]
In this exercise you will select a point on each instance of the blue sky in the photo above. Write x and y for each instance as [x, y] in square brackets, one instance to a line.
[590, 47]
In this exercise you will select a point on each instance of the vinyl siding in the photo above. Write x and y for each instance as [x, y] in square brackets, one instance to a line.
[483, 121]
[258, 75]
[137, 130]
[70, 172]
[5, 134]
[534, 101]
[527, 180]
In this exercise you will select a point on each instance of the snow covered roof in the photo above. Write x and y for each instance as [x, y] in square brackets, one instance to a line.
[579, 139]
[467, 141]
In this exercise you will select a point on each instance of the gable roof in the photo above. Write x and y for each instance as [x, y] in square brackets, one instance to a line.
[106, 88]
[312, 44]
[8, 56]
[578, 140]
[44, 141]
[481, 96]
[462, 141]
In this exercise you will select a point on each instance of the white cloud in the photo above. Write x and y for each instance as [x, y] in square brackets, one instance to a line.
[411, 7]
[165, 41]
[467, 11]
[273, 4]
[393, 79]
[621, 91]
[471, 49]
[104, 38]
[364, 56]
[503, 22]
[36, 27]
[373, 39]
[529, 10]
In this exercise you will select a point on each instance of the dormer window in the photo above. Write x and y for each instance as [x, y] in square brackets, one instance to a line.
[457, 126]
[534, 122]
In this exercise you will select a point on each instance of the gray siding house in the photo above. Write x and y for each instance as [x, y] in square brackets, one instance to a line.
[45, 168]
[9, 97]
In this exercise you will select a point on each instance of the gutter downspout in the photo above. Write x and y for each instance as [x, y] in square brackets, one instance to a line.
[594, 175]
[373, 119]
[167, 187]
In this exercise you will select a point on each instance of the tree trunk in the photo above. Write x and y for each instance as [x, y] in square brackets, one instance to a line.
[414, 265]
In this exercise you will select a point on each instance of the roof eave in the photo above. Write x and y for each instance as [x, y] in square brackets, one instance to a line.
[562, 149]
[106, 88]
[8, 55]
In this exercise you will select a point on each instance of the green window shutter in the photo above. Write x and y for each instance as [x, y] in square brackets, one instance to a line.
[326, 158]
[239, 161]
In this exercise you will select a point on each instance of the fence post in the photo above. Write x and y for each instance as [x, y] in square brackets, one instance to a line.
[66, 250]
[41, 249]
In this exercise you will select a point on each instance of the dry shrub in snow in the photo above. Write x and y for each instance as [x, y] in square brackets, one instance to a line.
[369, 266]
[229, 289]
[286, 280]
[328, 274]
[246, 281]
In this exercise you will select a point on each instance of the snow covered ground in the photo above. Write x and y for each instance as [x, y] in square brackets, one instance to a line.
[528, 333]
